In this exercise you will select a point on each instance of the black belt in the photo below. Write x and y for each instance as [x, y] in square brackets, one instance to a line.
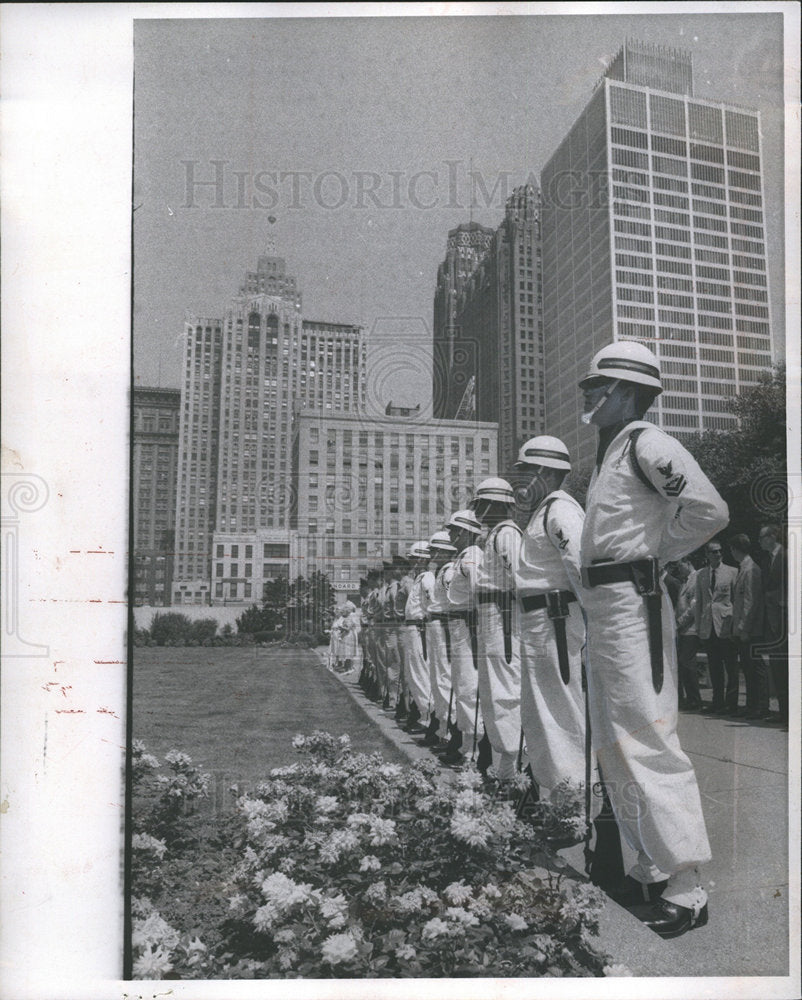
[436, 616]
[461, 615]
[494, 596]
[645, 575]
[536, 602]
[414, 621]
[503, 599]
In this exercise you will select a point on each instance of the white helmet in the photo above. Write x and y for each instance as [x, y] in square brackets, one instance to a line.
[546, 451]
[441, 540]
[465, 520]
[419, 550]
[495, 489]
[628, 361]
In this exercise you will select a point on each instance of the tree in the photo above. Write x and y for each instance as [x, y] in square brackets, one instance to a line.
[310, 605]
[747, 465]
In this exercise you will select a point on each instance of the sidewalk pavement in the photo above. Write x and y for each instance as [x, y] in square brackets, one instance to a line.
[742, 770]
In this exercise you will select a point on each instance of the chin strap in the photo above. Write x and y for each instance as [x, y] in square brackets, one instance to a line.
[586, 418]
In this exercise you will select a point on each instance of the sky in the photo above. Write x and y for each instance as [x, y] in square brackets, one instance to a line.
[344, 146]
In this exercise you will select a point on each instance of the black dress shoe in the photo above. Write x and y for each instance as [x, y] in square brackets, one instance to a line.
[669, 920]
[631, 892]
[452, 757]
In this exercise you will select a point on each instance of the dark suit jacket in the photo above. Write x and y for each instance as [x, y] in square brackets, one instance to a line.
[775, 593]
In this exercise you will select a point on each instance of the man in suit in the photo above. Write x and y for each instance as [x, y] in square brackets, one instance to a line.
[714, 589]
[747, 626]
[775, 608]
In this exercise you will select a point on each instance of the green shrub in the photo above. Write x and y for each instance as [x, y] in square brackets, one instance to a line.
[170, 629]
[203, 631]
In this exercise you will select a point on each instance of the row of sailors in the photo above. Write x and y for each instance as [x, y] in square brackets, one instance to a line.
[482, 633]
[490, 635]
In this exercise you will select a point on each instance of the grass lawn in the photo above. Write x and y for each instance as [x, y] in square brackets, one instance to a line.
[236, 710]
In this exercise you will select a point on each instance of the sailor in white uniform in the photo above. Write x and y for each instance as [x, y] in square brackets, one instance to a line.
[435, 607]
[648, 503]
[413, 638]
[499, 652]
[547, 582]
[464, 530]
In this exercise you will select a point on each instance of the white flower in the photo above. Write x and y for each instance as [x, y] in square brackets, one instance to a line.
[154, 930]
[152, 964]
[425, 804]
[492, 891]
[340, 842]
[344, 740]
[466, 799]
[265, 917]
[382, 831]
[178, 759]
[298, 742]
[469, 829]
[469, 779]
[334, 910]
[458, 893]
[237, 903]
[376, 893]
[433, 929]
[326, 803]
[284, 936]
[287, 957]
[144, 842]
[520, 781]
[462, 916]
[391, 771]
[408, 902]
[339, 948]
[515, 922]
[406, 952]
[370, 863]
[283, 892]
[196, 945]
[616, 970]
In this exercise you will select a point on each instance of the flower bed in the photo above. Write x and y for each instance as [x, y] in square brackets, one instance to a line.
[342, 865]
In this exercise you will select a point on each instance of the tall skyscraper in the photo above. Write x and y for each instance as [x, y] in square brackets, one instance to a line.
[244, 378]
[653, 230]
[498, 313]
[454, 359]
[155, 461]
[199, 436]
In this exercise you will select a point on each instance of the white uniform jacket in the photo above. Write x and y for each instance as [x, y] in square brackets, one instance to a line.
[552, 712]
[651, 782]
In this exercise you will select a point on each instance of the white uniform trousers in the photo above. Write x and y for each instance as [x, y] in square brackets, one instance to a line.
[464, 677]
[392, 661]
[417, 669]
[439, 673]
[552, 713]
[650, 781]
[379, 654]
[500, 689]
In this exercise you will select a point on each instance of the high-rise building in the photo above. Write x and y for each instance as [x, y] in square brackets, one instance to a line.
[454, 360]
[366, 488]
[653, 230]
[155, 463]
[244, 377]
[498, 313]
[199, 436]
